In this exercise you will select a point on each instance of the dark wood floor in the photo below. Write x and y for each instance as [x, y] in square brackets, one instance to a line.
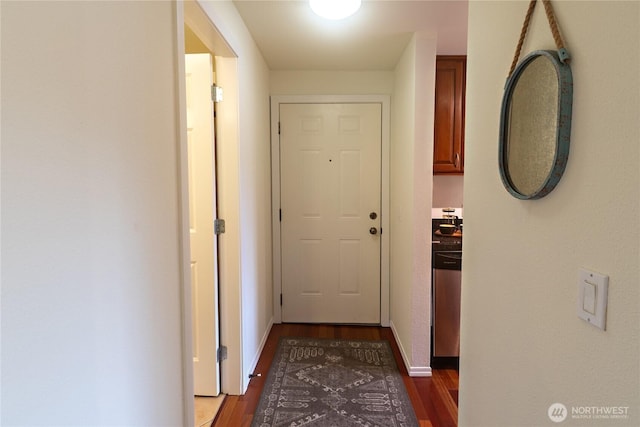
[435, 398]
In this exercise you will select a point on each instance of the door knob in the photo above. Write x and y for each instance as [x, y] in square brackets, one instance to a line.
[373, 230]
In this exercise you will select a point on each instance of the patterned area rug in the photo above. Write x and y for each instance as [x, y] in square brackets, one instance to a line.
[333, 383]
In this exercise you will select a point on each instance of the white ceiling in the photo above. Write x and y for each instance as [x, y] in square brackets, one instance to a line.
[291, 37]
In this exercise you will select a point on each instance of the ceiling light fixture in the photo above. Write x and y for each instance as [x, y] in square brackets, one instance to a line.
[335, 9]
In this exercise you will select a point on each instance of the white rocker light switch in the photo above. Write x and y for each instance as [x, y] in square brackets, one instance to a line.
[593, 289]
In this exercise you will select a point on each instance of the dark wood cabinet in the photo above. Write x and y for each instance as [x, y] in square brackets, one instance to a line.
[448, 144]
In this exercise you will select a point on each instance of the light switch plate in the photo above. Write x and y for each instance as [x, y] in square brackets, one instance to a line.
[593, 290]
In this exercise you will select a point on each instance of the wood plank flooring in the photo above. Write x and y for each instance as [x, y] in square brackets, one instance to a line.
[434, 399]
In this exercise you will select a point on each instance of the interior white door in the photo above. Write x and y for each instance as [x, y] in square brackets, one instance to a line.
[202, 187]
[330, 160]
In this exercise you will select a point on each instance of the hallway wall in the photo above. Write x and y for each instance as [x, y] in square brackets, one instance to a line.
[302, 82]
[91, 318]
[411, 188]
[523, 346]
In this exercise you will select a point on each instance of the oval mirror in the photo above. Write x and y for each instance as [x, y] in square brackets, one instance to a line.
[535, 125]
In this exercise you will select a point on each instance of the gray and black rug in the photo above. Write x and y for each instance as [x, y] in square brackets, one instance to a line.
[333, 383]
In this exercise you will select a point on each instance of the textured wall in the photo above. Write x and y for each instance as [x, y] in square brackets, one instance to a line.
[411, 150]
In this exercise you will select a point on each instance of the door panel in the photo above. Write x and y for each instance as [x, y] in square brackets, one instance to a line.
[204, 285]
[330, 159]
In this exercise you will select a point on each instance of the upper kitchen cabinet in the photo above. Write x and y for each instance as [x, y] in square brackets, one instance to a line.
[448, 144]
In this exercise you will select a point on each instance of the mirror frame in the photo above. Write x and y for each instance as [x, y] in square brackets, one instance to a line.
[563, 129]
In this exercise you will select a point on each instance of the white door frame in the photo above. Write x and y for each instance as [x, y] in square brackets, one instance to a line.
[385, 101]
[190, 13]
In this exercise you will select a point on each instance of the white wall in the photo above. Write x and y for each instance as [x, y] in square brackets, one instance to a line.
[401, 197]
[448, 191]
[91, 321]
[411, 150]
[523, 346]
[331, 82]
[250, 173]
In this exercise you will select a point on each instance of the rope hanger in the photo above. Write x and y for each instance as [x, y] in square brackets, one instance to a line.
[555, 31]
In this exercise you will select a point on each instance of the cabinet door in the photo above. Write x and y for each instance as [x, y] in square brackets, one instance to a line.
[448, 149]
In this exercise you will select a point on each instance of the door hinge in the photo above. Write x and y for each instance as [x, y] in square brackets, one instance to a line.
[278, 128]
[280, 215]
[218, 226]
[222, 353]
[281, 300]
[216, 93]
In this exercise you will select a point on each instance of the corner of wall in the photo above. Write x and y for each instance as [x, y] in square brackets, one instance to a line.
[412, 370]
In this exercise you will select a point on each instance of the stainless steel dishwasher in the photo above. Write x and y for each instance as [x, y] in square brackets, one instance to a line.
[447, 280]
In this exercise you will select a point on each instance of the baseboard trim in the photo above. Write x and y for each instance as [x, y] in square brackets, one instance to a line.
[256, 358]
[420, 371]
[413, 371]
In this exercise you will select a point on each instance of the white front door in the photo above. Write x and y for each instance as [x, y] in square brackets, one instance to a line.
[330, 160]
[202, 187]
